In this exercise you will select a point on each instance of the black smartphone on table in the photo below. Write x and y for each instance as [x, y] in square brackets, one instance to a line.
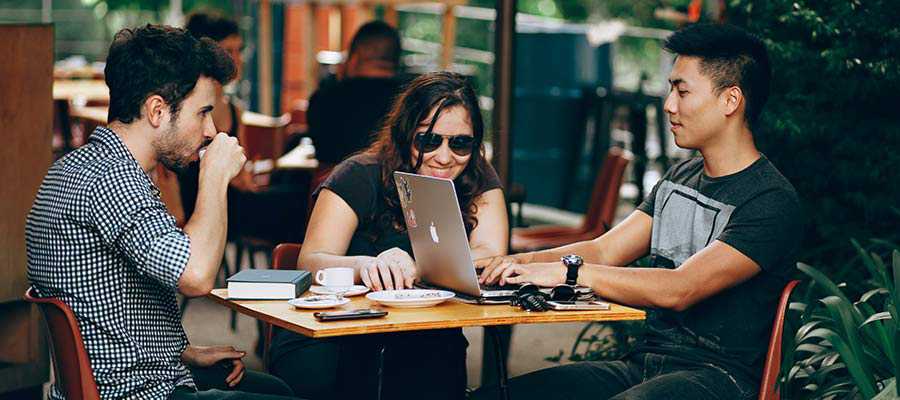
[349, 314]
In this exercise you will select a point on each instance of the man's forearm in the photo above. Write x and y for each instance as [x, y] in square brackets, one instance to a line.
[586, 249]
[642, 287]
[207, 229]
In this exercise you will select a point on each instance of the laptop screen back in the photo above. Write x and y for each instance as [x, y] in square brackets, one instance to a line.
[436, 231]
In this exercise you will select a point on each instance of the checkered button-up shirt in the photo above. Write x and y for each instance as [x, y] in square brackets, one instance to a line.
[100, 239]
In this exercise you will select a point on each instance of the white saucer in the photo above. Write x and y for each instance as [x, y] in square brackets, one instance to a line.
[411, 298]
[323, 301]
[354, 290]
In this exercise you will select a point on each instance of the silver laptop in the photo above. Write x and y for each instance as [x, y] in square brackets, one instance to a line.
[438, 236]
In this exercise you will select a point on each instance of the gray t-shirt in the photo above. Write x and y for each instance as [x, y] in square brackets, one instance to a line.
[757, 212]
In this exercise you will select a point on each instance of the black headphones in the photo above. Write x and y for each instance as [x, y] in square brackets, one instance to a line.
[530, 297]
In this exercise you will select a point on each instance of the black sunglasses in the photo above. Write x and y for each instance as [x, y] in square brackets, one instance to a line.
[461, 145]
[530, 297]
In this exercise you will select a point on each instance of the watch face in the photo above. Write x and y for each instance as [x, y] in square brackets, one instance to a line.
[572, 259]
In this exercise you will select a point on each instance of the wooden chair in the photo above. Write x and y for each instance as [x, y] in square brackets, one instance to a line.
[768, 389]
[72, 368]
[597, 220]
[298, 124]
[284, 256]
[263, 140]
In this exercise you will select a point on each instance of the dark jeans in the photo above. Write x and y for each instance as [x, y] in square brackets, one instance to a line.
[638, 376]
[417, 365]
[253, 386]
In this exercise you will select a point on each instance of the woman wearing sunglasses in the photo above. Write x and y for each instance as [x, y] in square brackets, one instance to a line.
[434, 128]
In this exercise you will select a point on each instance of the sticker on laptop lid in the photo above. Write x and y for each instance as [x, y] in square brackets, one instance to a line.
[405, 191]
[410, 219]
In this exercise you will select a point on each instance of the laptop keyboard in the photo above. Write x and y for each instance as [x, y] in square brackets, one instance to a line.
[496, 287]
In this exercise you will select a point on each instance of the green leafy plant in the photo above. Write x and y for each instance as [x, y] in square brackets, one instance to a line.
[829, 125]
[844, 348]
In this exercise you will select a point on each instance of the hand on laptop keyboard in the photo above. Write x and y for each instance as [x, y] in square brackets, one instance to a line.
[498, 286]
[492, 267]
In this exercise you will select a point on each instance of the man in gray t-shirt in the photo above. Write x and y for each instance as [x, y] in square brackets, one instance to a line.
[720, 230]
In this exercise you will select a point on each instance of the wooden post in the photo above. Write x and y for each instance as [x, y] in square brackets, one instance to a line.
[294, 68]
[448, 29]
[335, 26]
[352, 16]
[365, 12]
[321, 15]
[390, 15]
[504, 45]
[309, 48]
[27, 104]
[265, 57]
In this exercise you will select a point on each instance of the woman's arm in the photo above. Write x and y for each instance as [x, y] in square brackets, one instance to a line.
[491, 236]
[328, 235]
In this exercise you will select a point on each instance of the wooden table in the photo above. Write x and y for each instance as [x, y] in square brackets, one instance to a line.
[86, 89]
[450, 314]
[96, 114]
[299, 158]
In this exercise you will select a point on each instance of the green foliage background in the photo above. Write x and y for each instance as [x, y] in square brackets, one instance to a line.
[832, 123]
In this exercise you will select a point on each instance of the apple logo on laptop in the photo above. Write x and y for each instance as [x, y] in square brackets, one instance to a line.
[434, 235]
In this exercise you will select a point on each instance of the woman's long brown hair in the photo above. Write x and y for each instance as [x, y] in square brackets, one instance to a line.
[393, 147]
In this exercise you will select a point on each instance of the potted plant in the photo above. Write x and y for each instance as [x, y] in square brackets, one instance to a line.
[845, 348]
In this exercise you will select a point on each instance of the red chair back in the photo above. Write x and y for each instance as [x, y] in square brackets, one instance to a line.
[284, 256]
[70, 360]
[605, 195]
[263, 137]
[298, 117]
[768, 389]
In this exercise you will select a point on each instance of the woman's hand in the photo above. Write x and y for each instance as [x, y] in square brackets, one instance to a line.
[392, 269]
[205, 357]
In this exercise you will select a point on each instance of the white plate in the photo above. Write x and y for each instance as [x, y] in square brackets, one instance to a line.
[412, 298]
[354, 290]
[323, 301]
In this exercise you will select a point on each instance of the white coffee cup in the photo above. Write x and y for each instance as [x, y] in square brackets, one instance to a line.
[335, 277]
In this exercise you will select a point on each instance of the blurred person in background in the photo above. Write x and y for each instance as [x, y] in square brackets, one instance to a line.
[344, 113]
[256, 210]
[226, 115]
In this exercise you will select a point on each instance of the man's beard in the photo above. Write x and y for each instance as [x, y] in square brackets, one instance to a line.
[170, 152]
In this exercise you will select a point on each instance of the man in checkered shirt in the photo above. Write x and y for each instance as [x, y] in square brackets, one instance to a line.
[100, 239]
